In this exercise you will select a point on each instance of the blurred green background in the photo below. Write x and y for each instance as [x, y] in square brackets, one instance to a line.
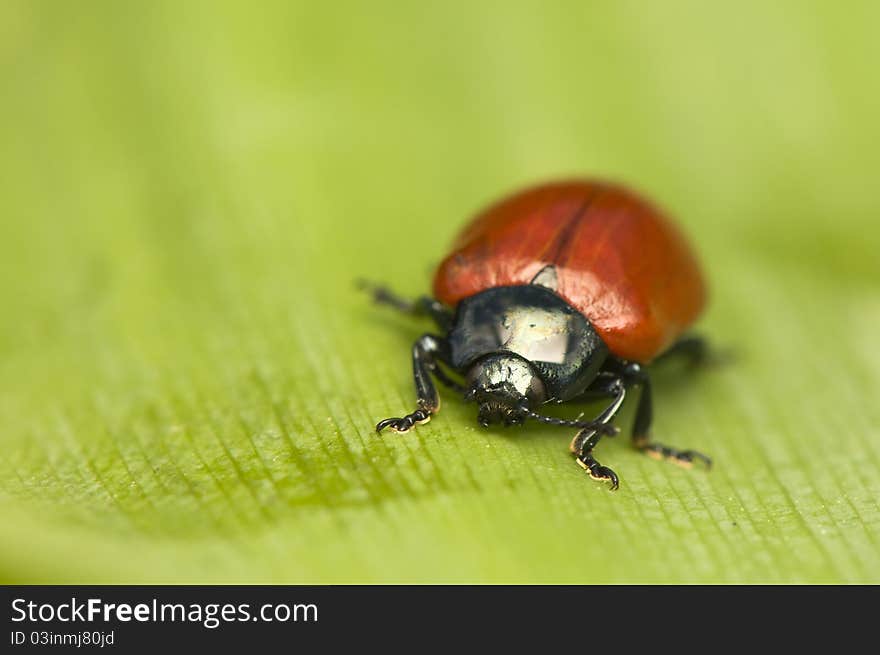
[188, 379]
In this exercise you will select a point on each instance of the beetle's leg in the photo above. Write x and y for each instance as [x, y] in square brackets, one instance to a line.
[697, 353]
[447, 381]
[641, 435]
[422, 306]
[615, 388]
[693, 349]
[586, 440]
[596, 470]
[425, 354]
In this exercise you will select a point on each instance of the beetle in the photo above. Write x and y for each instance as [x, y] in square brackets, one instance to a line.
[562, 291]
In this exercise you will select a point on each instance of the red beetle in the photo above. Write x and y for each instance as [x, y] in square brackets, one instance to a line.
[562, 291]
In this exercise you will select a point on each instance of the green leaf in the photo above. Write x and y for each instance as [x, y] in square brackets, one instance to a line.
[189, 379]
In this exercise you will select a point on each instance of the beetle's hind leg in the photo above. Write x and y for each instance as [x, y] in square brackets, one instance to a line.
[693, 349]
[696, 352]
[427, 351]
[422, 306]
[641, 435]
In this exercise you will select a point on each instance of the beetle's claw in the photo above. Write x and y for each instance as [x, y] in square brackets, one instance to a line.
[604, 473]
[694, 455]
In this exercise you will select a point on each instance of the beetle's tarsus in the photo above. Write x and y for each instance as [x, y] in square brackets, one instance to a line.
[406, 423]
[685, 458]
[582, 446]
[598, 472]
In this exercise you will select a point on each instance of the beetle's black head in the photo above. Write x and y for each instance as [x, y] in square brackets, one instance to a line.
[504, 385]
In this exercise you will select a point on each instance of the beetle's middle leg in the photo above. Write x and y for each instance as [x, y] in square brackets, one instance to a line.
[426, 352]
[422, 306]
[636, 375]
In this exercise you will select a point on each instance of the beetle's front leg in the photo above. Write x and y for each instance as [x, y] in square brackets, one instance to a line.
[584, 453]
[425, 354]
[586, 440]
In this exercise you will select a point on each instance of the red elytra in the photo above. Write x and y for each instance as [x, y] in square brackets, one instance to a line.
[619, 261]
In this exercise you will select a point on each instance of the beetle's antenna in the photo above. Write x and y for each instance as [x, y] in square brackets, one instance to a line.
[605, 428]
